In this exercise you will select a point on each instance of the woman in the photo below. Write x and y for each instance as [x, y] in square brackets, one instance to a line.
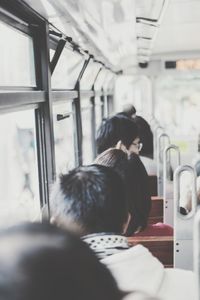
[136, 184]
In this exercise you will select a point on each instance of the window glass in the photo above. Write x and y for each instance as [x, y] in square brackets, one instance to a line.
[67, 69]
[98, 112]
[86, 110]
[17, 58]
[108, 82]
[19, 192]
[177, 109]
[64, 137]
[89, 76]
[100, 79]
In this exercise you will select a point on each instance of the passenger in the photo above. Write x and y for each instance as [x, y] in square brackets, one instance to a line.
[139, 207]
[118, 131]
[121, 132]
[146, 138]
[129, 167]
[42, 262]
[93, 197]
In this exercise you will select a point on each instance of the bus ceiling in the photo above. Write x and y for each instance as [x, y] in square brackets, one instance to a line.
[127, 34]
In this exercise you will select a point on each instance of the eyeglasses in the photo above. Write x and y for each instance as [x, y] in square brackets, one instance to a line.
[138, 145]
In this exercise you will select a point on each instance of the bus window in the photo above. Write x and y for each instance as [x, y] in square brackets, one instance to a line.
[17, 58]
[179, 112]
[87, 132]
[89, 76]
[98, 111]
[64, 137]
[19, 192]
[67, 70]
[100, 80]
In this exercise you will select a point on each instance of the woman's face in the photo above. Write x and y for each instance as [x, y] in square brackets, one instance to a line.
[135, 146]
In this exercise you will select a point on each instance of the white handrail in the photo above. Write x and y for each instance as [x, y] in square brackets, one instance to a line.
[168, 207]
[159, 161]
[183, 224]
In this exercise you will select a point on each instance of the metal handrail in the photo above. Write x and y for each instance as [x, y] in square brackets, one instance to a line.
[177, 175]
[158, 127]
[166, 150]
[196, 250]
[158, 162]
[168, 207]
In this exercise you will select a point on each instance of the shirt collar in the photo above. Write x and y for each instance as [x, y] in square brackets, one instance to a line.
[105, 244]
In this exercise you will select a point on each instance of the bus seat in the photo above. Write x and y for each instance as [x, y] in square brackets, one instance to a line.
[160, 246]
[156, 213]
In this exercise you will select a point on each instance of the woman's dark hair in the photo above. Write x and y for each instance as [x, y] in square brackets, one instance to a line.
[146, 136]
[42, 262]
[129, 110]
[115, 129]
[144, 130]
[135, 178]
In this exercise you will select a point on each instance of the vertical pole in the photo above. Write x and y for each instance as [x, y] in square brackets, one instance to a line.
[76, 105]
[44, 115]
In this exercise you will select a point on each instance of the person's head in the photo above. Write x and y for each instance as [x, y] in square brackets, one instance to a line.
[40, 261]
[118, 131]
[128, 110]
[146, 136]
[131, 169]
[91, 197]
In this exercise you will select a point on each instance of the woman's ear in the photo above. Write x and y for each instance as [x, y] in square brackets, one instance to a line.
[121, 146]
[125, 227]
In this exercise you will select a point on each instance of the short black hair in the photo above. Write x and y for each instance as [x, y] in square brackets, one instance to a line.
[114, 129]
[135, 179]
[129, 110]
[92, 197]
[47, 263]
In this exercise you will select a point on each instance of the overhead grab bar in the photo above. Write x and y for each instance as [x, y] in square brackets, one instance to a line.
[168, 187]
[159, 161]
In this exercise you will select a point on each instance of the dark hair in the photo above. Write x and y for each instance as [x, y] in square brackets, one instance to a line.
[115, 129]
[136, 184]
[146, 136]
[129, 110]
[47, 263]
[92, 197]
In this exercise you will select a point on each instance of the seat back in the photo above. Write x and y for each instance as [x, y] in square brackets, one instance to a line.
[156, 213]
[160, 247]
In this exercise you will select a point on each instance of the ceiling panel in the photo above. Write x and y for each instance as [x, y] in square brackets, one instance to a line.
[178, 38]
[180, 28]
[181, 12]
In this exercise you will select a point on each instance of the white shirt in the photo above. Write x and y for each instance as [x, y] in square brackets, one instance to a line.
[136, 269]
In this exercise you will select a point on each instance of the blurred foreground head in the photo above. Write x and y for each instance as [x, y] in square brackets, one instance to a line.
[42, 262]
